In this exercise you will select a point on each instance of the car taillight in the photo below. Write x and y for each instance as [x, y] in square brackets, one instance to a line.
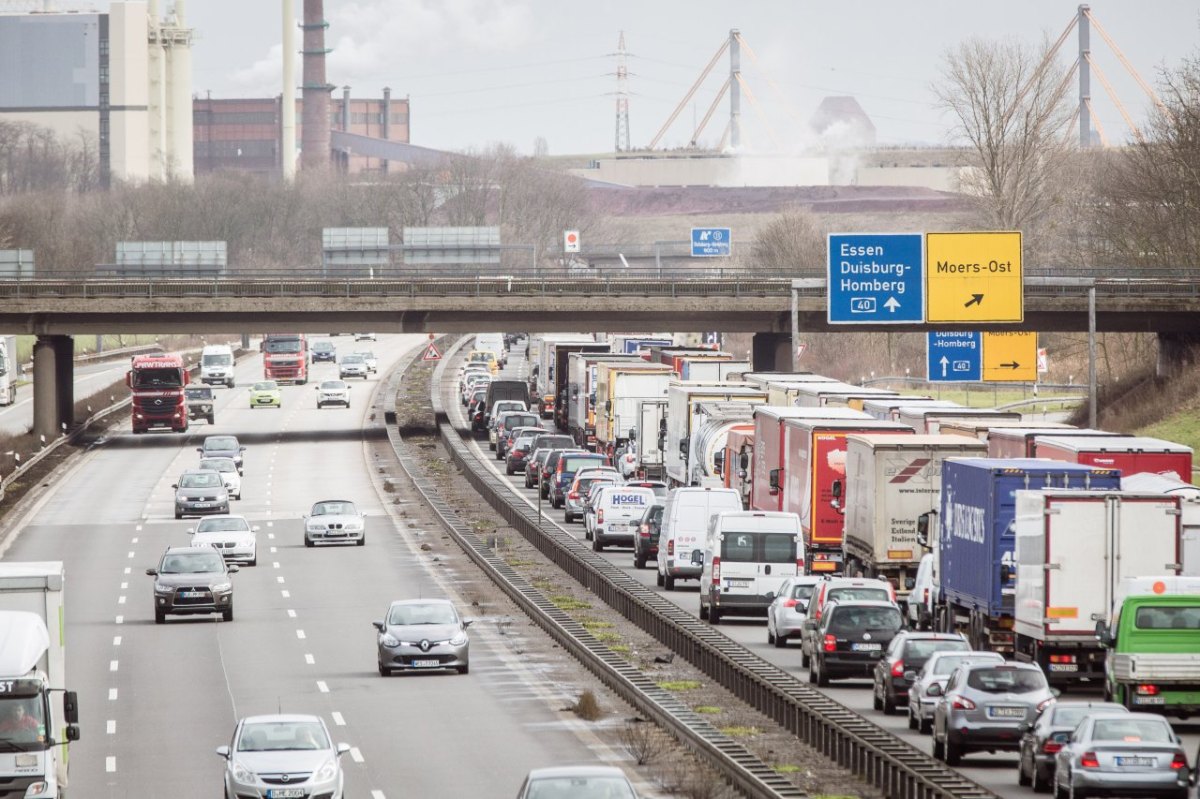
[600, 516]
[716, 570]
[1042, 705]
[1089, 760]
[898, 668]
[1179, 761]
[789, 603]
[573, 495]
[644, 531]
[671, 547]
[1062, 658]
[799, 565]
[1051, 746]
[830, 644]
[925, 597]
[1147, 690]
[961, 703]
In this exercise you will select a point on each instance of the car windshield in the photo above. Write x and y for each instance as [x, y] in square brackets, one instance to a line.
[853, 620]
[370, 356]
[946, 665]
[515, 420]
[802, 591]
[224, 465]
[157, 378]
[550, 442]
[223, 525]
[580, 788]
[322, 346]
[352, 359]
[278, 736]
[22, 719]
[337, 508]
[433, 613]
[575, 463]
[286, 345]
[860, 593]
[216, 360]
[1133, 730]
[198, 393]
[922, 648]
[220, 443]
[266, 385]
[1006, 680]
[1071, 715]
[1185, 618]
[333, 385]
[192, 563]
[200, 480]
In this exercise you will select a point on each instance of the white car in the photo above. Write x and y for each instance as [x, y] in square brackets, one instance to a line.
[334, 521]
[229, 474]
[232, 536]
[353, 365]
[364, 337]
[333, 392]
[369, 357]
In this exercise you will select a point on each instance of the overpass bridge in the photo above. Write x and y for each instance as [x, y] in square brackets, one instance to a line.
[407, 300]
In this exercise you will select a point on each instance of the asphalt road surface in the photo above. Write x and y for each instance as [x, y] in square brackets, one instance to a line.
[90, 378]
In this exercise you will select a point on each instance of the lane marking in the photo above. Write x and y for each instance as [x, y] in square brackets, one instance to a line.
[138, 528]
[355, 754]
[124, 586]
[120, 619]
[110, 764]
[121, 600]
[112, 694]
[279, 579]
[300, 634]
[286, 594]
[112, 665]
[134, 541]
[274, 550]
[271, 536]
[271, 524]
[310, 660]
[111, 727]
[275, 565]
[291, 613]
[116, 640]
[128, 570]
[322, 687]
[132, 553]
[337, 719]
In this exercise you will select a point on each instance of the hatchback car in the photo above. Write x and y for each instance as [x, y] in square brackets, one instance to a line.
[334, 521]
[353, 365]
[223, 447]
[333, 392]
[1047, 734]
[564, 472]
[788, 608]
[323, 351]
[192, 581]
[936, 671]
[286, 756]
[836, 589]
[852, 637]
[1122, 754]
[550, 468]
[503, 422]
[907, 653]
[229, 474]
[423, 635]
[578, 490]
[576, 781]
[533, 465]
[200, 492]
[645, 544]
[985, 706]
[517, 453]
[232, 536]
[266, 394]
[365, 337]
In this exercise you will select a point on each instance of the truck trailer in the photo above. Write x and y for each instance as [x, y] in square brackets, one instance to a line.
[1189, 506]
[682, 399]
[1019, 442]
[582, 371]
[768, 454]
[1130, 454]
[620, 390]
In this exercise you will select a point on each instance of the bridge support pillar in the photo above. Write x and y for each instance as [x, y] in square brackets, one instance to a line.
[45, 380]
[1177, 352]
[771, 352]
[64, 371]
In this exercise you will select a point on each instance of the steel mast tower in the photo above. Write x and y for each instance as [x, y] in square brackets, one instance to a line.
[622, 144]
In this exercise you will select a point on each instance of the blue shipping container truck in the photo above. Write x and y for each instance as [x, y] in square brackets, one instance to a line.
[976, 542]
[633, 345]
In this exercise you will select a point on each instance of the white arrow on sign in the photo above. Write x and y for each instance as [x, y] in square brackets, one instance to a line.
[891, 304]
[944, 362]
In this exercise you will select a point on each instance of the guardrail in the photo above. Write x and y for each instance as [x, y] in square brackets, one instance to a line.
[900, 770]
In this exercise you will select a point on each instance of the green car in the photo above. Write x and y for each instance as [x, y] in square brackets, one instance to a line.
[266, 394]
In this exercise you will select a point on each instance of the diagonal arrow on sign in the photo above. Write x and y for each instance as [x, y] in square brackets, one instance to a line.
[976, 299]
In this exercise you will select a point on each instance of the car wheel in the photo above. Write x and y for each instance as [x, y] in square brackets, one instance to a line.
[770, 635]
[227, 614]
[253, 561]
[703, 612]
[212, 419]
[876, 703]
[912, 720]
[491, 446]
[812, 671]
[464, 669]
[1036, 782]
[714, 616]
[239, 495]
[308, 542]
[160, 617]
[822, 675]
[567, 517]
[658, 578]
[384, 671]
[1076, 793]
[587, 534]
[178, 515]
[889, 704]
[803, 656]
[1059, 791]
[362, 542]
[781, 641]
[939, 751]
[639, 562]
[668, 582]
[508, 469]
[953, 751]
[1022, 777]
[925, 726]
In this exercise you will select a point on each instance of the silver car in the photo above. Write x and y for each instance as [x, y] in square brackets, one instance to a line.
[423, 634]
[283, 757]
[1122, 754]
[232, 536]
[786, 613]
[200, 492]
[985, 706]
[936, 671]
[370, 359]
[229, 474]
[353, 365]
[334, 521]
[1046, 736]
[576, 781]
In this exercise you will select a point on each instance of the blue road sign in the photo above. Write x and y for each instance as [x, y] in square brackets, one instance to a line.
[954, 357]
[876, 279]
[711, 242]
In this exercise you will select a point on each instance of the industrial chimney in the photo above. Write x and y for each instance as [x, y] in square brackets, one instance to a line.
[315, 152]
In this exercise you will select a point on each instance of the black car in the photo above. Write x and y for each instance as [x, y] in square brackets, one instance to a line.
[222, 447]
[192, 581]
[645, 543]
[549, 467]
[1042, 739]
[323, 351]
[907, 653]
[852, 637]
[533, 465]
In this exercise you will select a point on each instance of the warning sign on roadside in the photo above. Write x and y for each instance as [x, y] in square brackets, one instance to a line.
[431, 353]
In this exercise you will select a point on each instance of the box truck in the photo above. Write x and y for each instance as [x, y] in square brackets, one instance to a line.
[620, 390]
[1018, 442]
[581, 392]
[975, 540]
[1130, 454]
[891, 481]
[33, 676]
[9, 370]
[768, 454]
[1073, 549]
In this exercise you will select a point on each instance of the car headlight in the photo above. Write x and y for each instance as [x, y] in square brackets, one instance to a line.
[327, 771]
[221, 587]
[181, 497]
[243, 774]
[223, 497]
[314, 528]
[459, 639]
[162, 588]
[354, 526]
[387, 639]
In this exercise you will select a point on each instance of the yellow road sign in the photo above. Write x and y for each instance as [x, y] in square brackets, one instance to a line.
[974, 277]
[1010, 357]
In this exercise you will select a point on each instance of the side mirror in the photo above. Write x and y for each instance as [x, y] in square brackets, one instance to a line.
[934, 690]
[152, 572]
[342, 749]
[199, 449]
[770, 595]
[744, 461]
[254, 529]
[234, 568]
[719, 462]
[773, 480]
[174, 485]
[1006, 573]
[72, 732]
[608, 406]
[633, 434]
[241, 449]
[837, 489]
[1104, 634]
[910, 676]
[683, 447]
[71, 708]
[191, 531]
[316, 388]
[223, 751]
[909, 582]
[378, 625]
[468, 622]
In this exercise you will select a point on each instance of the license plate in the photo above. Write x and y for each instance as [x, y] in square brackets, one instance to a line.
[1149, 700]
[427, 663]
[737, 583]
[191, 594]
[1135, 761]
[1064, 667]
[866, 647]
[285, 793]
[1006, 712]
[201, 504]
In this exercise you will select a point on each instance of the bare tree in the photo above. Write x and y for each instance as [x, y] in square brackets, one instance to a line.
[1008, 103]
[791, 242]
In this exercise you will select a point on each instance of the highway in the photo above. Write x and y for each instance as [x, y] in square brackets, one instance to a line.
[156, 700]
[996, 772]
[90, 378]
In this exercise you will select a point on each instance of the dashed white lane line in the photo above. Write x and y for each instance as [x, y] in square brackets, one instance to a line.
[112, 694]
[280, 579]
[121, 600]
[310, 660]
[271, 524]
[300, 634]
[138, 528]
[355, 754]
[275, 564]
[124, 586]
[291, 613]
[120, 619]
[111, 727]
[286, 594]
[134, 541]
[112, 665]
[377, 795]
[322, 687]
[132, 553]
[116, 640]
[274, 550]
[271, 535]
[110, 764]
[338, 719]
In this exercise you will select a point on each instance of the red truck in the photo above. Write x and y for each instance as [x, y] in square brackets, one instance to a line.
[1020, 442]
[1130, 454]
[156, 382]
[814, 456]
[768, 453]
[285, 357]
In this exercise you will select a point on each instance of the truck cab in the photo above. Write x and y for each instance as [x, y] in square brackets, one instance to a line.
[156, 383]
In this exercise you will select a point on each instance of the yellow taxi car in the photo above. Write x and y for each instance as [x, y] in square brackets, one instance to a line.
[485, 356]
[266, 394]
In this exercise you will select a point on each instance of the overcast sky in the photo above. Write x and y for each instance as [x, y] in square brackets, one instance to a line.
[481, 71]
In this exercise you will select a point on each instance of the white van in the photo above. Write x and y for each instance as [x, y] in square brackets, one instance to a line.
[216, 365]
[619, 511]
[493, 342]
[746, 557]
[685, 528]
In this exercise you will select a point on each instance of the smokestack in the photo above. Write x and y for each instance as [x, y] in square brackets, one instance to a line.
[346, 108]
[387, 122]
[287, 103]
[315, 154]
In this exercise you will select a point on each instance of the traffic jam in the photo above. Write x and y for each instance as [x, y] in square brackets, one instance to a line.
[1021, 587]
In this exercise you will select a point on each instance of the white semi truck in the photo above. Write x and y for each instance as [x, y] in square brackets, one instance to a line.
[9, 370]
[38, 717]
